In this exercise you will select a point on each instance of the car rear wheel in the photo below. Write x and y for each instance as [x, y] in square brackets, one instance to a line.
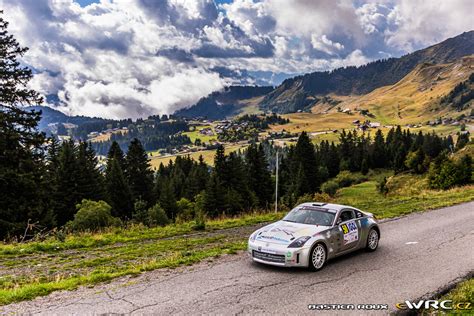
[372, 240]
[318, 257]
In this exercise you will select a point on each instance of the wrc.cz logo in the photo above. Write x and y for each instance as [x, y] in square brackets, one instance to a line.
[434, 304]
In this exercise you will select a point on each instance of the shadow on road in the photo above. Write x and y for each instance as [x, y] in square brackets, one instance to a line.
[331, 263]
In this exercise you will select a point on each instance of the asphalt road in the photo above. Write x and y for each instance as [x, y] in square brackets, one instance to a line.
[418, 255]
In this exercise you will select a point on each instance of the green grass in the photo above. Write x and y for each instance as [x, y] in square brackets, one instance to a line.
[195, 134]
[37, 268]
[132, 234]
[461, 294]
[408, 194]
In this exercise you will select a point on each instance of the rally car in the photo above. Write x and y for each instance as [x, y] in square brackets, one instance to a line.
[313, 233]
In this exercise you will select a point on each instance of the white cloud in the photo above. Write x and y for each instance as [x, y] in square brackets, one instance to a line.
[324, 44]
[131, 58]
[416, 24]
[372, 17]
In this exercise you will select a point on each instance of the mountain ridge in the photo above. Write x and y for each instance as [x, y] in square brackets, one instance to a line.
[221, 104]
[298, 93]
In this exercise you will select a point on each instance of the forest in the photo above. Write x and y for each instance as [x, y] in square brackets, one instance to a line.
[67, 180]
[48, 185]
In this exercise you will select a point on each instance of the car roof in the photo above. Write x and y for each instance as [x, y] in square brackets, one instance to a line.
[336, 207]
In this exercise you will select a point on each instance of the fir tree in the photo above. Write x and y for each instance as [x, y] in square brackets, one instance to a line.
[67, 178]
[168, 199]
[305, 165]
[138, 173]
[90, 182]
[259, 176]
[116, 152]
[118, 191]
[378, 152]
[22, 182]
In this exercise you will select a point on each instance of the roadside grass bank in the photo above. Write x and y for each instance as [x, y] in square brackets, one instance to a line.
[37, 268]
[407, 194]
[463, 293]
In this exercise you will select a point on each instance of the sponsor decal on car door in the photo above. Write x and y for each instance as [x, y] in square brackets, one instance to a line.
[350, 232]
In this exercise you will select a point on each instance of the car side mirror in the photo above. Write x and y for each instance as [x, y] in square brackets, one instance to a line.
[338, 221]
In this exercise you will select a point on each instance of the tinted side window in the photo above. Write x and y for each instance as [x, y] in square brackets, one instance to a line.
[346, 215]
[359, 214]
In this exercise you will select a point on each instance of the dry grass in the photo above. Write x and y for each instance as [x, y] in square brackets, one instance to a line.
[208, 155]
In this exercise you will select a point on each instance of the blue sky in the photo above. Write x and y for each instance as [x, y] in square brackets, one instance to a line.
[86, 2]
[132, 58]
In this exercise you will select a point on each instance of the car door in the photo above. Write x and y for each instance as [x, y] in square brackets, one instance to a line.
[348, 230]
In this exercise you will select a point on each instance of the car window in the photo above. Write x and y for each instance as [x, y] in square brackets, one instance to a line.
[359, 214]
[310, 216]
[346, 215]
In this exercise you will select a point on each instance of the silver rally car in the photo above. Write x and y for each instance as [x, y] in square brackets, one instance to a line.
[313, 233]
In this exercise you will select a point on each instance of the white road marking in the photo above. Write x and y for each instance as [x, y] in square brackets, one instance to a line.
[411, 243]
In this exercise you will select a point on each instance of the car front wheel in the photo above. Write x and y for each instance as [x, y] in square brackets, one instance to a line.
[372, 240]
[318, 257]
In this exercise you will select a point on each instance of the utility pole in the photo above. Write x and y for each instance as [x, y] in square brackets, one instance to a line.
[276, 185]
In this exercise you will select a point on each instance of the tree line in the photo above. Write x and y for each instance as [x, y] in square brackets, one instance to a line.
[46, 183]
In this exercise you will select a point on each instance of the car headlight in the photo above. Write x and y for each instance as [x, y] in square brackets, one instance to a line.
[253, 236]
[299, 242]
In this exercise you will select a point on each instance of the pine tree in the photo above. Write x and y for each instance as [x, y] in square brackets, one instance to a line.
[259, 177]
[304, 159]
[463, 139]
[138, 173]
[90, 183]
[67, 178]
[116, 152]
[378, 153]
[465, 170]
[168, 199]
[220, 168]
[22, 181]
[237, 185]
[118, 191]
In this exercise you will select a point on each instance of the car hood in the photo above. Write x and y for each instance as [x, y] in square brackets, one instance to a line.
[283, 232]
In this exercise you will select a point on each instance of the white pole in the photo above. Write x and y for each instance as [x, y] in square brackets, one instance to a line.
[276, 185]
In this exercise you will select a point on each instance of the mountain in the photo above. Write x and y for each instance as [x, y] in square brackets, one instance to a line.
[222, 104]
[300, 93]
[48, 116]
[53, 122]
[52, 116]
[427, 92]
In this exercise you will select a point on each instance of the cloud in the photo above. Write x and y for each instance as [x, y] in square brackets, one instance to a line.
[326, 45]
[372, 17]
[421, 23]
[133, 58]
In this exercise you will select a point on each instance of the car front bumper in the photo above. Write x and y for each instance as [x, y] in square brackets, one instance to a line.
[278, 255]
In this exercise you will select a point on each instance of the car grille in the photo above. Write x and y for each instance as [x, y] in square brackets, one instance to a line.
[268, 256]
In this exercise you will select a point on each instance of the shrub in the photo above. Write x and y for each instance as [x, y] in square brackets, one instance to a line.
[92, 215]
[444, 174]
[330, 187]
[364, 169]
[322, 197]
[140, 213]
[417, 161]
[346, 179]
[304, 199]
[157, 216]
[186, 210]
[200, 215]
[382, 186]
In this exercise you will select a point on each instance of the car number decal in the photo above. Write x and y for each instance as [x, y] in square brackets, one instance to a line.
[350, 232]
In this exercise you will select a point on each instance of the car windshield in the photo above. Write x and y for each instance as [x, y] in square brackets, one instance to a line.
[310, 216]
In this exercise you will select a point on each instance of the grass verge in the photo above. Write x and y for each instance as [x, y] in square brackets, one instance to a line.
[463, 293]
[38, 268]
